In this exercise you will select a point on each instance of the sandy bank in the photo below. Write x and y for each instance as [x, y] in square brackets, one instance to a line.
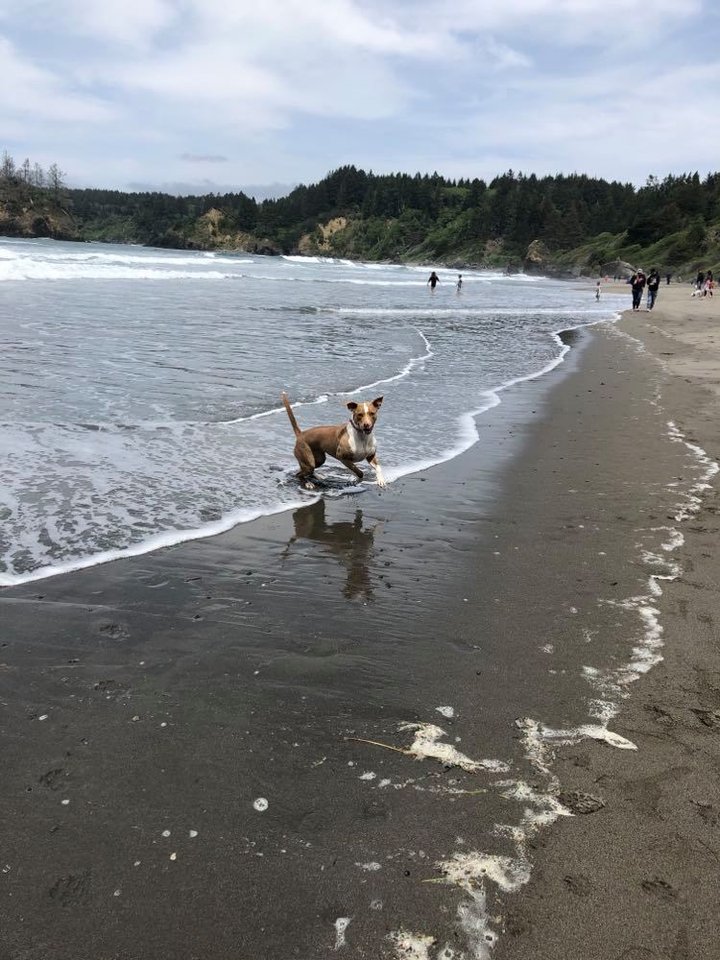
[639, 878]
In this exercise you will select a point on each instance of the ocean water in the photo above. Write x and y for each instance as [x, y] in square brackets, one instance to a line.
[139, 388]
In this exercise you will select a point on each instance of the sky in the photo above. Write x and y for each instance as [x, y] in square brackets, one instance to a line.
[214, 95]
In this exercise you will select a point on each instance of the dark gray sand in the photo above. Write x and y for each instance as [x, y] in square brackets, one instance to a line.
[150, 706]
[640, 878]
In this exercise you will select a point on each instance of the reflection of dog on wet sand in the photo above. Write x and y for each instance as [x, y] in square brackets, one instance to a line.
[348, 442]
[350, 542]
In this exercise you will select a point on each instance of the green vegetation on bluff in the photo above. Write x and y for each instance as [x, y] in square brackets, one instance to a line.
[562, 224]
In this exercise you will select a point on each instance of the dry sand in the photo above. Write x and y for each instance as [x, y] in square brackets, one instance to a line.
[163, 697]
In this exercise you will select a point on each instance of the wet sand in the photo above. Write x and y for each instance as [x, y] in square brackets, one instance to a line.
[639, 878]
[164, 698]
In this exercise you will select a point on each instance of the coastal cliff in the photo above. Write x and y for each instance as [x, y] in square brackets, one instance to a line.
[557, 226]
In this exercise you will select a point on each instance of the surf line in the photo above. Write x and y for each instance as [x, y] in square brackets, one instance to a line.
[412, 363]
[466, 422]
[158, 541]
[175, 537]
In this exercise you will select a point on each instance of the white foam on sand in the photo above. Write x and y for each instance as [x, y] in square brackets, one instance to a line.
[472, 871]
[341, 925]
[447, 712]
[411, 946]
[426, 746]
[707, 466]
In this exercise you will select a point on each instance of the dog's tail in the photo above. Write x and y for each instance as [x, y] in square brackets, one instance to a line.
[291, 415]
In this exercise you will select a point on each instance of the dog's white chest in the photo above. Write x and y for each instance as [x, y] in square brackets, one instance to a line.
[362, 445]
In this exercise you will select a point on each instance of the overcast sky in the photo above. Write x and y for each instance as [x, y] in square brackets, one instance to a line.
[226, 93]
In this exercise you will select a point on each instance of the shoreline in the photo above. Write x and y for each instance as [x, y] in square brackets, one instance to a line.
[173, 691]
[468, 436]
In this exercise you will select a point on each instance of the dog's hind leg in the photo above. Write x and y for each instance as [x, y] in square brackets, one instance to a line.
[307, 460]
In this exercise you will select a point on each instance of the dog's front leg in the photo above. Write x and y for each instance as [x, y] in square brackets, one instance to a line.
[373, 461]
[346, 462]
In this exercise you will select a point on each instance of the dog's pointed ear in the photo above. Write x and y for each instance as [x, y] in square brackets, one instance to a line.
[377, 402]
[351, 405]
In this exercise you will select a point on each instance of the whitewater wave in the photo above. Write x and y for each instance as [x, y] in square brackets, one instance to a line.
[465, 311]
[25, 269]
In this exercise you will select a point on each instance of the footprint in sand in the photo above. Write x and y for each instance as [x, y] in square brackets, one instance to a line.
[660, 888]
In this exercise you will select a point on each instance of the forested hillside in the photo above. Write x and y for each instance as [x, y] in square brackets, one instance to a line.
[559, 224]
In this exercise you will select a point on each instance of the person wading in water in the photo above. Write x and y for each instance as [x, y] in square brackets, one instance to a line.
[433, 280]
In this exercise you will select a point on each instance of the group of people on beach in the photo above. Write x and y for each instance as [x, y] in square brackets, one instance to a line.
[704, 284]
[639, 281]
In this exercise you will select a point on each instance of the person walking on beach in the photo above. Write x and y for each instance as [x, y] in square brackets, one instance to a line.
[637, 282]
[668, 278]
[459, 283]
[653, 284]
[700, 280]
[433, 280]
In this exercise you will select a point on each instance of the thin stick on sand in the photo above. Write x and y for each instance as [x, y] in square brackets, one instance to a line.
[376, 743]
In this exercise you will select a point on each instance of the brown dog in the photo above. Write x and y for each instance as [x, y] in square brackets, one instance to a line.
[348, 442]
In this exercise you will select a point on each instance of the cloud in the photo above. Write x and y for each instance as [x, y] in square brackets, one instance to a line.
[204, 158]
[288, 89]
[31, 93]
[133, 23]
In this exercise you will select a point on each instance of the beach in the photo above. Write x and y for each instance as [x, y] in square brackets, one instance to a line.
[476, 713]
[637, 879]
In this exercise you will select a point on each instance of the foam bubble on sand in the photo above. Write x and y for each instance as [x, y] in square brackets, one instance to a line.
[600, 732]
[603, 710]
[540, 740]
[447, 712]
[473, 871]
[341, 925]
[541, 807]
[411, 946]
[692, 499]
[675, 538]
[474, 922]
[470, 869]
[426, 746]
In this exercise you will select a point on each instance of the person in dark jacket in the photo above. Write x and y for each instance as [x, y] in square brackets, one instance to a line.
[637, 282]
[653, 284]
